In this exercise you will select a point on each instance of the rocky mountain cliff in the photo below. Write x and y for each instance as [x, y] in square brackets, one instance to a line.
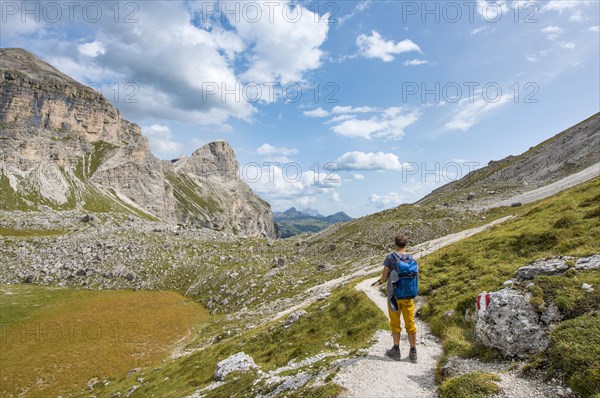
[64, 146]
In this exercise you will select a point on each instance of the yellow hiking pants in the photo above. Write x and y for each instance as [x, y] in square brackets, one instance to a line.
[407, 308]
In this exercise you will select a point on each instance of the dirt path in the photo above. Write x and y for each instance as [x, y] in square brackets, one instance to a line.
[418, 251]
[375, 375]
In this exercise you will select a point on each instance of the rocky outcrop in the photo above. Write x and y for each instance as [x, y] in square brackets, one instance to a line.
[507, 320]
[543, 267]
[64, 146]
[239, 362]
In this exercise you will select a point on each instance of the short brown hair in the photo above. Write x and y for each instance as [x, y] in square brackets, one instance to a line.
[401, 241]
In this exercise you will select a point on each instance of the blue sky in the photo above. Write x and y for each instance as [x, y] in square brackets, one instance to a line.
[355, 105]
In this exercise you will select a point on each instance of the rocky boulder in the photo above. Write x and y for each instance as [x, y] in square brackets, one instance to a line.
[507, 321]
[236, 362]
[588, 263]
[548, 266]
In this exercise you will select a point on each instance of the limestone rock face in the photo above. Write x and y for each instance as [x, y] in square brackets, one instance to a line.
[64, 146]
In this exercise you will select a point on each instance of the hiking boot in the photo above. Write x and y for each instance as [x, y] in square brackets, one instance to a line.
[412, 355]
[393, 353]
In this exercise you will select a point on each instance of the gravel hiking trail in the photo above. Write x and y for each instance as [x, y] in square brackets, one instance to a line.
[375, 375]
[550, 189]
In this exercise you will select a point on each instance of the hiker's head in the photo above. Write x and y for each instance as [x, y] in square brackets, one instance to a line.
[400, 241]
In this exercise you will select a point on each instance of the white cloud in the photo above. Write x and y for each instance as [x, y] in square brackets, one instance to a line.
[553, 32]
[392, 199]
[160, 140]
[360, 7]
[318, 112]
[569, 45]
[470, 113]
[595, 28]
[375, 46]
[369, 161]
[478, 30]
[358, 176]
[387, 124]
[577, 16]
[335, 197]
[350, 109]
[340, 118]
[266, 149]
[92, 49]
[415, 62]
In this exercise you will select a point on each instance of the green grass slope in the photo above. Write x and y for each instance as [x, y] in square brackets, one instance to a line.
[565, 224]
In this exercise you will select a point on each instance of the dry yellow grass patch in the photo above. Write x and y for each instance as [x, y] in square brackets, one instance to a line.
[72, 336]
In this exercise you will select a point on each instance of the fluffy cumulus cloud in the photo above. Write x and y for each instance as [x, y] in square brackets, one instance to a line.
[184, 67]
[358, 176]
[389, 200]
[161, 140]
[357, 160]
[387, 124]
[375, 46]
[368, 122]
[285, 43]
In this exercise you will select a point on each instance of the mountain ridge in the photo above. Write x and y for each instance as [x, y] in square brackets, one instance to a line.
[292, 222]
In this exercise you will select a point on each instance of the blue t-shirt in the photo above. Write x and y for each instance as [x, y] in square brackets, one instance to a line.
[390, 260]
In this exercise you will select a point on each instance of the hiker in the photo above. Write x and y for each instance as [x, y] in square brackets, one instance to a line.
[405, 306]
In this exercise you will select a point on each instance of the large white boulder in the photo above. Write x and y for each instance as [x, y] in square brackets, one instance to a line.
[506, 320]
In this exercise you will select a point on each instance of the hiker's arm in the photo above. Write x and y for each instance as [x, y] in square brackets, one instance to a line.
[385, 274]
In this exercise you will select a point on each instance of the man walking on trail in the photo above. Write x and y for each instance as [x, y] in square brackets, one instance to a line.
[406, 307]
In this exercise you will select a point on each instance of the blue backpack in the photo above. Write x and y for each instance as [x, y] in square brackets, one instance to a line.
[407, 286]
